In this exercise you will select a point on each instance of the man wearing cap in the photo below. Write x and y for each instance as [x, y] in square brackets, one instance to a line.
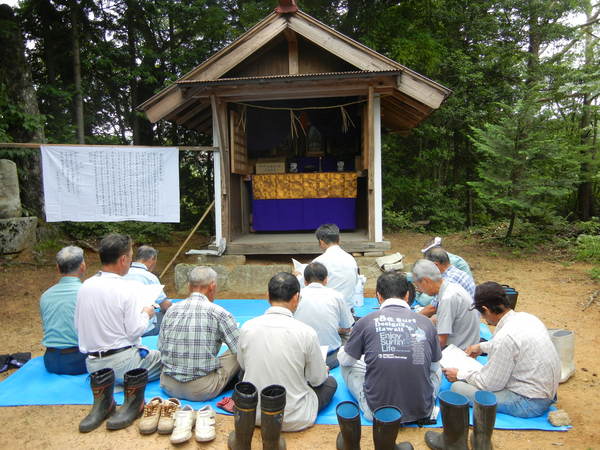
[523, 368]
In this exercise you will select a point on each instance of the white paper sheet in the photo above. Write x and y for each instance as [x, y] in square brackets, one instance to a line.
[454, 357]
[324, 349]
[110, 184]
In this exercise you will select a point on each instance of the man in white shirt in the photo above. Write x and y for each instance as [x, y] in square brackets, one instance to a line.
[457, 323]
[324, 310]
[523, 368]
[277, 349]
[109, 318]
[341, 266]
[141, 271]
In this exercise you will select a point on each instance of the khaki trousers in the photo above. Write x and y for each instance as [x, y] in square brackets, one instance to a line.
[206, 387]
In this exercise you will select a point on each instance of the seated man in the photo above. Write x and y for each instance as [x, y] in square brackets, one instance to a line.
[457, 322]
[401, 353]
[523, 368]
[439, 257]
[341, 266]
[275, 348]
[141, 271]
[190, 338]
[57, 308]
[109, 318]
[324, 310]
[455, 260]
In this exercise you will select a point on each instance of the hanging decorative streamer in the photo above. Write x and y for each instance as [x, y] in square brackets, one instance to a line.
[346, 119]
[294, 127]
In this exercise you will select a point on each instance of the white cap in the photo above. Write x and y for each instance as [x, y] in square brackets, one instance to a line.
[437, 242]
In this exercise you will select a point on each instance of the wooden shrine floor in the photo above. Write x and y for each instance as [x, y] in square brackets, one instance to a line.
[286, 243]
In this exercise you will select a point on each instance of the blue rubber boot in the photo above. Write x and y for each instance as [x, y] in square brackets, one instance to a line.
[455, 418]
[484, 418]
[348, 416]
[386, 423]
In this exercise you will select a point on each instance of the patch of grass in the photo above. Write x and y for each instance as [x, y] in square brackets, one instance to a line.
[588, 248]
[50, 245]
[595, 273]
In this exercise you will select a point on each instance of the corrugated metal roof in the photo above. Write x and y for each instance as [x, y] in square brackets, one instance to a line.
[283, 77]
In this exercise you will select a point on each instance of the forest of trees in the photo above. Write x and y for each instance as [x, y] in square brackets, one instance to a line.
[515, 146]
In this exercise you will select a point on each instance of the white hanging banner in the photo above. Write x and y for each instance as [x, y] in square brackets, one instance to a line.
[111, 184]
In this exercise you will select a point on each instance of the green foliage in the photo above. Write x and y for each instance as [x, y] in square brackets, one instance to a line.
[594, 273]
[588, 248]
[395, 220]
[140, 232]
[524, 168]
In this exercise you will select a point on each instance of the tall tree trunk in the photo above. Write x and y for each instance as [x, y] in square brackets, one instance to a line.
[17, 79]
[78, 99]
[585, 191]
[134, 118]
[511, 226]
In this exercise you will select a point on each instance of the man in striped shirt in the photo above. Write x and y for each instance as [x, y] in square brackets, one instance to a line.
[190, 339]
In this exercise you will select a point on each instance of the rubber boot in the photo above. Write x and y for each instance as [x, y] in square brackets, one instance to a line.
[245, 398]
[386, 424]
[484, 418]
[564, 341]
[133, 406]
[455, 418]
[102, 383]
[348, 416]
[272, 405]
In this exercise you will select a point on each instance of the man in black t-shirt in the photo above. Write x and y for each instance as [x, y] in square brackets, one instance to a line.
[401, 353]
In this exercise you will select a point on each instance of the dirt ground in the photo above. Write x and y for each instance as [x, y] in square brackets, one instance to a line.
[553, 289]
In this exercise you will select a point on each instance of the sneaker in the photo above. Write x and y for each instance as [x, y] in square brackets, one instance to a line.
[167, 415]
[184, 422]
[149, 421]
[205, 424]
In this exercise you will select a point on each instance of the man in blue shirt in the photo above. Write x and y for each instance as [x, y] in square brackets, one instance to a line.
[141, 271]
[57, 308]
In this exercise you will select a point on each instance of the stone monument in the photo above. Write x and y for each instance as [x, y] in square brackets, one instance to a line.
[16, 232]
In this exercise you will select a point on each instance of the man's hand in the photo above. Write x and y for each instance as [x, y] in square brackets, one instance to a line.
[451, 374]
[148, 310]
[473, 351]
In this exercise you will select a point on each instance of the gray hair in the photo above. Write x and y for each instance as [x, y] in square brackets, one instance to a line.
[202, 276]
[438, 255]
[145, 253]
[424, 268]
[69, 259]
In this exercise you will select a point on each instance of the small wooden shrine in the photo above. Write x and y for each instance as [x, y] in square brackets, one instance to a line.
[296, 110]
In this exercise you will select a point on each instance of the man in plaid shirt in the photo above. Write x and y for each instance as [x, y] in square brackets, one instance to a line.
[523, 368]
[191, 335]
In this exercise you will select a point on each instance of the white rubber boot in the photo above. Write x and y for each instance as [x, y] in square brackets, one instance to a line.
[564, 341]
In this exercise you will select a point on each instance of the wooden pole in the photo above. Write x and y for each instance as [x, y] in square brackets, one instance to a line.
[188, 238]
[28, 145]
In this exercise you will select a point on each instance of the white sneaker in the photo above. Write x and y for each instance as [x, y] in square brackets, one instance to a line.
[184, 422]
[205, 424]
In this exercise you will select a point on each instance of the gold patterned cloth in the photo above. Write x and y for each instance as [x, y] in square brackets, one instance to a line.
[304, 185]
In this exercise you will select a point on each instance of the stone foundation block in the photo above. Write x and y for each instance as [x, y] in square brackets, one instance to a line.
[16, 234]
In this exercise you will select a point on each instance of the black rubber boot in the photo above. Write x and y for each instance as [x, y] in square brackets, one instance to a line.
[455, 418]
[135, 384]
[272, 405]
[348, 416]
[386, 424]
[245, 398]
[102, 383]
[484, 418]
